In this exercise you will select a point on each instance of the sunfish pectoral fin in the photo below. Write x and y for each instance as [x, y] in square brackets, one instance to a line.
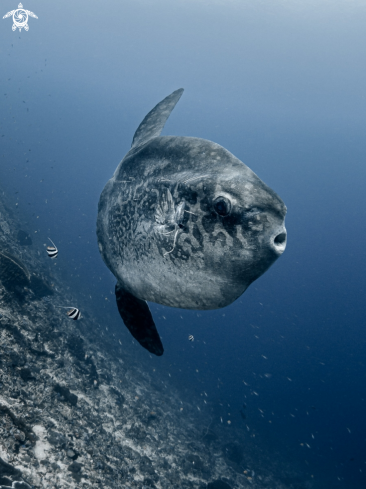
[155, 120]
[137, 317]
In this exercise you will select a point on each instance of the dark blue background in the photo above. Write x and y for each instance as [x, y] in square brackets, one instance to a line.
[282, 86]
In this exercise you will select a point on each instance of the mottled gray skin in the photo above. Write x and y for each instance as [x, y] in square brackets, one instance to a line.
[191, 258]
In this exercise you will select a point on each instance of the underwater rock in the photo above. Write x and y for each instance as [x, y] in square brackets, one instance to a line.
[218, 484]
[56, 439]
[149, 483]
[137, 433]
[14, 275]
[72, 454]
[195, 462]
[26, 374]
[66, 394]
[75, 469]
[6, 472]
[40, 287]
[76, 347]
[120, 399]
[16, 360]
[234, 453]
[147, 468]
[24, 239]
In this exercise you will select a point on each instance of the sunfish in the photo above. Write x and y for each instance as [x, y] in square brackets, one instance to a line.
[184, 223]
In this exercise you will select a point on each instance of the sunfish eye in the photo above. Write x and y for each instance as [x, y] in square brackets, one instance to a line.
[222, 206]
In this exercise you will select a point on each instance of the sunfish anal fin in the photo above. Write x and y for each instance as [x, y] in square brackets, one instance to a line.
[155, 120]
[137, 317]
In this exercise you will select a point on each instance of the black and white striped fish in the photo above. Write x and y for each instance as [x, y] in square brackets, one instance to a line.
[191, 337]
[52, 251]
[74, 313]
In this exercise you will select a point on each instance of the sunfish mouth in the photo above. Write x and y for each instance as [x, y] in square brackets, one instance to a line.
[279, 240]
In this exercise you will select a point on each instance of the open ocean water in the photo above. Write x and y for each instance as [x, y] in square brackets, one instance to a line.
[280, 84]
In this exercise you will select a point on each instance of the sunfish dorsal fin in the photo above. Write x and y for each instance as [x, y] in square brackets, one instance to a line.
[155, 120]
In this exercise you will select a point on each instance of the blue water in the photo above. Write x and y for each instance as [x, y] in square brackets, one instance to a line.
[282, 86]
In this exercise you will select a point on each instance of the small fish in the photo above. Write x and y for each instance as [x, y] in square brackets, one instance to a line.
[52, 251]
[191, 337]
[74, 313]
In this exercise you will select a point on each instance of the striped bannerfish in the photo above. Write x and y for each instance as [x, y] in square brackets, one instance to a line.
[191, 337]
[74, 313]
[52, 251]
